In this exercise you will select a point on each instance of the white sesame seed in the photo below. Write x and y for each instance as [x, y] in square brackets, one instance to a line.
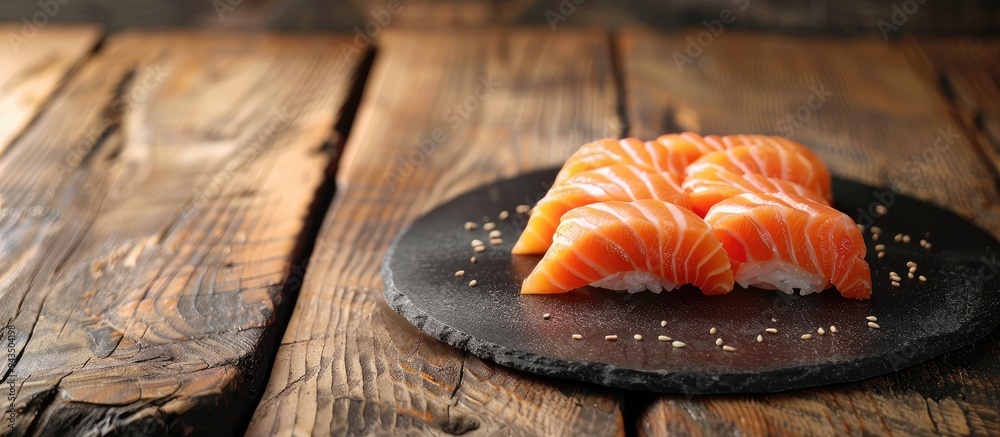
[637, 337]
[922, 278]
[871, 318]
[897, 238]
[928, 246]
[503, 215]
[521, 209]
[875, 237]
[894, 284]
[728, 348]
[473, 283]
[469, 226]
[496, 241]
[611, 337]
[881, 209]
[760, 338]
[893, 274]
[663, 338]
[771, 331]
[876, 230]
[873, 325]
[821, 331]
[913, 269]
[459, 273]
[678, 344]
[909, 275]
[718, 342]
[923, 242]
[478, 249]
[490, 226]
[546, 316]
[473, 260]
[713, 330]
[906, 238]
[477, 243]
[879, 247]
[881, 254]
[663, 323]
[911, 264]
[495, 233]
[575, 336]
[806, 336]
[833, 329]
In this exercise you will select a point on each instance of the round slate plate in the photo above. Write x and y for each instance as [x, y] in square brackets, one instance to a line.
[919, 320]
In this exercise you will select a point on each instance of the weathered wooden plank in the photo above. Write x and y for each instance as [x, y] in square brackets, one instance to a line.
[151, 217]
[873, 118]
[31, 69]
[442, 113]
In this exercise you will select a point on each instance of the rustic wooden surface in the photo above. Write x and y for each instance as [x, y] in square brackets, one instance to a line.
[348, 364]
[880, 118]
[151, 217]
[32, 69]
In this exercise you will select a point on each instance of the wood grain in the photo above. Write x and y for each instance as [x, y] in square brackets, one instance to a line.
[152, 217]
[31, 69]
[880, 119]
[348, 364]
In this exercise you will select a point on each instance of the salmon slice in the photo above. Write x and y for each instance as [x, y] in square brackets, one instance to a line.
[649, 155]
[788, 242]
[770, 161]
[710, 186]
[645, 244]
[617, 182]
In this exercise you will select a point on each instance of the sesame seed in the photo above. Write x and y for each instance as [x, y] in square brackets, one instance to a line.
[478, 249]
[881, 254]
[898, 238]
[496, 241]
[760, 338]
[806, 336]
[923, 242]
[928, 246]
[876, 230]
[894, 284]
[663, 323]
[909, 275]
[879, 247]
[678, 344]
[490, 226]
[495, 233]
[771, 331]
[906, 238]
[821, 331]
[893, 274]
[881, 209]
[469, 226]
[875, 237]
[713, 330]
[503, 215]
[861, 227]
[728, 348]
[611, 337]
[718, 342]
[477, 243]
[663, 338]
[913, 269]
[871, 318]
[637, 337]
[833, 329]
[922, 278]
[473, 260]
[911, 264]
[546, 316]
[873, 325]
[473, 283]
[459, 273]
[521, 209]
[575, 336]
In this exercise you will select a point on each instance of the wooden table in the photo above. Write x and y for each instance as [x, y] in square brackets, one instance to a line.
[192, 222]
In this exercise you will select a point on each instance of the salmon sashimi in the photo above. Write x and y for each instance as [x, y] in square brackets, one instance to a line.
[788, 242]
[616, 182]
[773, 162]
[710, 186]
[635, 246]
[649, 155]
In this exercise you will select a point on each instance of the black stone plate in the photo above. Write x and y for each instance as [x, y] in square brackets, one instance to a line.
[956, 306]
